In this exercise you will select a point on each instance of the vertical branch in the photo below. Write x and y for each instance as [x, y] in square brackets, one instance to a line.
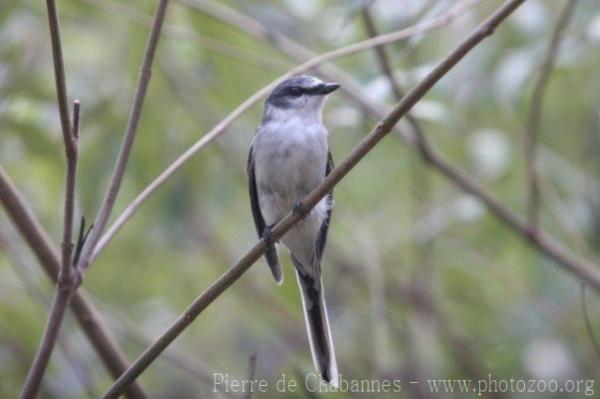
[128, 139]
[63, 290]
[66, 286]
[72, 152]
[17, 262]
[36, 372]
[535, 113]
[59, 73]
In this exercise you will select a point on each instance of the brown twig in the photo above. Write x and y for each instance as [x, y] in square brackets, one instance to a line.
[19, 265]
[85, 312]
[42, 357]
[287, 46]
[355, 156]
[588, 324]
[63, 289]
[312, 61]
[72, 152]
[128, 139]
[459, 347]
[386, 67]
[66, 285]
[382, 55]
[535, 114]
[420, 178]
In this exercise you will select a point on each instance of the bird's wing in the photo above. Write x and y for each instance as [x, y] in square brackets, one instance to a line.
[322, 238]
[259, 222]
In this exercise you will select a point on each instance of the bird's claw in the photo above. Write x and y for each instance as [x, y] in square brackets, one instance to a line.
[298, 210]
[267, 236]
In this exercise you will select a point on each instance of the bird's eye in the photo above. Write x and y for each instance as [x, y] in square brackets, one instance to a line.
[295, 91]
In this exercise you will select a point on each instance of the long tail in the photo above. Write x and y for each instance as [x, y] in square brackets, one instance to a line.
[317, 326]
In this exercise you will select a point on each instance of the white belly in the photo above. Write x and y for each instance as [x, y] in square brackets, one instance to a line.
[289, 163]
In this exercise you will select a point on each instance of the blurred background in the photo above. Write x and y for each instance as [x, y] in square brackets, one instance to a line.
[421, 281]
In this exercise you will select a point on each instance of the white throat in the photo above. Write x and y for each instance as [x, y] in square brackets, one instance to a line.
[310, 112]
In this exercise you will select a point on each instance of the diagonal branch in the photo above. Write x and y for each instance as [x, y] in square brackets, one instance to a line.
[86, 313]
[355, 156]
[128, 139]
[458, 346]
[309, 60]
[544, 243]
[535, 115]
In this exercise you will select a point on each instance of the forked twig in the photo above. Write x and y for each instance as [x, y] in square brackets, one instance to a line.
[128, 139]
[87, 315]
[63, 287]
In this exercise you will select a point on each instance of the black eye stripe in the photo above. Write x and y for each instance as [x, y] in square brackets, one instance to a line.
[297, 91]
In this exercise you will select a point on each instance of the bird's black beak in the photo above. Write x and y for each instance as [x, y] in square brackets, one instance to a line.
[326, 88]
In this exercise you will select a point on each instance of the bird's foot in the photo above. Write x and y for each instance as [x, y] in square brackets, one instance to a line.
[298, 210]
[267, 236]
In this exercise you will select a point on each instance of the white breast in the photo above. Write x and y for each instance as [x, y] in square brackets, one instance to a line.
[290, 159]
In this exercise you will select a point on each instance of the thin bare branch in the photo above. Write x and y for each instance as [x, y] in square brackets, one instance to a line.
[62, 291]
[543, 243]
[419, 177]
[59, 75]
[64, 277]
[314, 61]
[63, 287]
[32, 287]
[86, 313]
[535, 114]
[66, 285]
[35, 375]
[382, 56]
[386, 67]
[588, 324]
[75, 125]
[355, 156]
[128, 139]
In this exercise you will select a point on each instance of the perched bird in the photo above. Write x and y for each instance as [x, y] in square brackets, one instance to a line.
[288, 158]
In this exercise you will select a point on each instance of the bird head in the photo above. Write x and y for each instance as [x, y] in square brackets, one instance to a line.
[300, 95]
